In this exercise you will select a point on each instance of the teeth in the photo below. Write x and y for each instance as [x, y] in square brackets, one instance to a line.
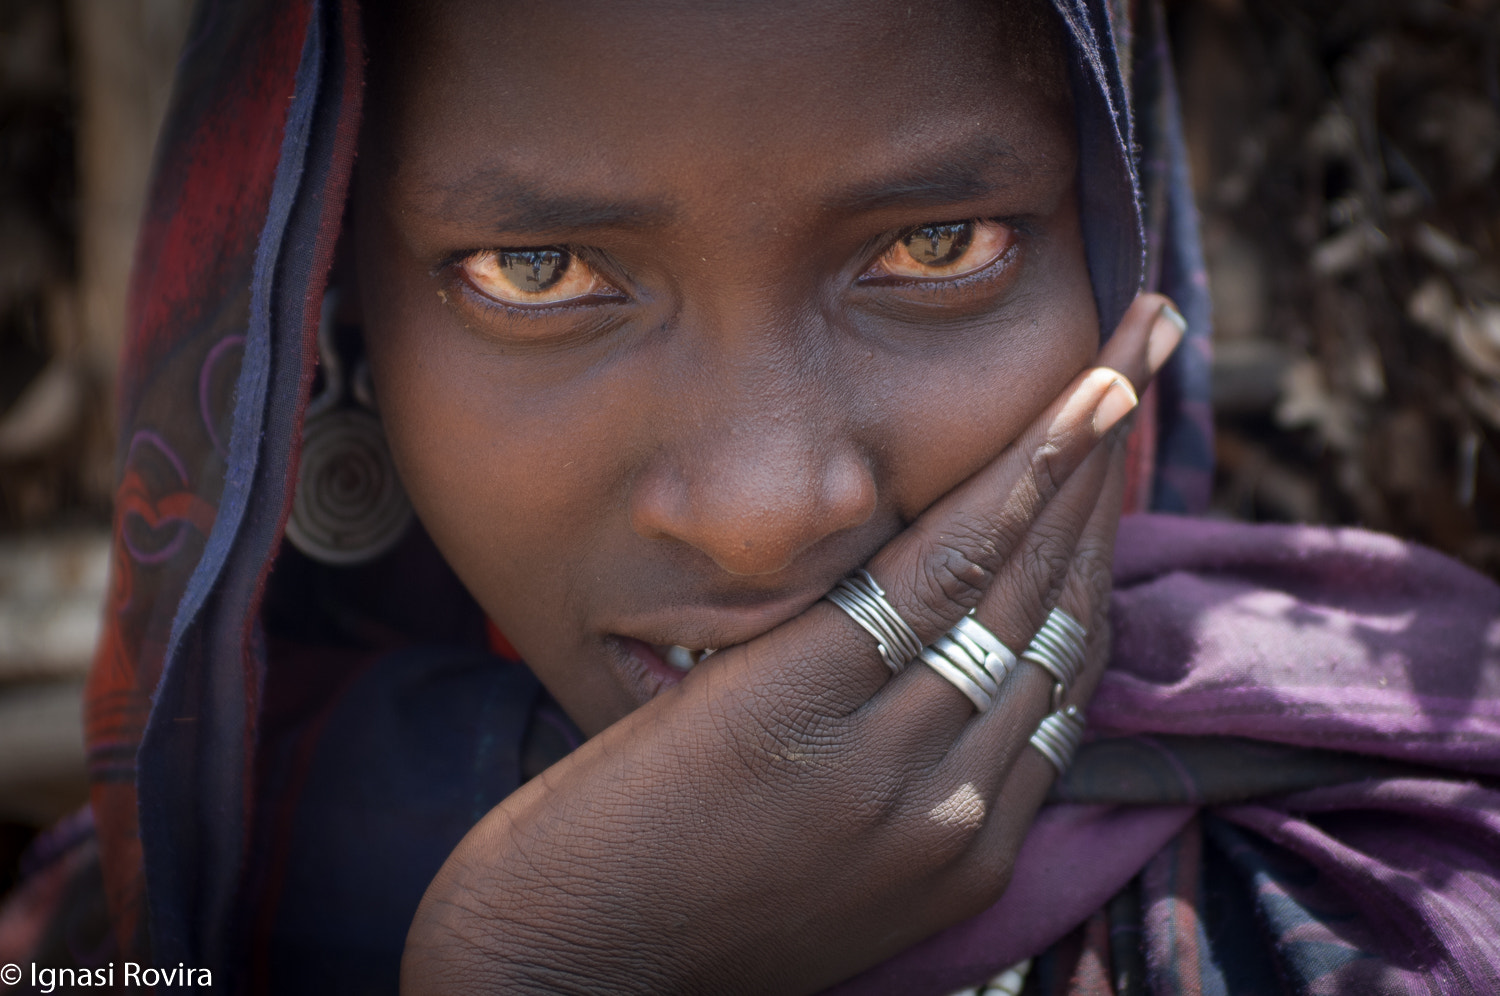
[682, 658]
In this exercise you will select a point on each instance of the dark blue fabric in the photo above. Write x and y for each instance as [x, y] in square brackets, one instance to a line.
[1109, 191]
[425, 743]
[1140, 225]
[1183, 477]
[193, 842]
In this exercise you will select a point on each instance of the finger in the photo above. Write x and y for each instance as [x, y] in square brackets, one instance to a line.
[1144, 340]
[989, 513]
[1028, 584]
[1086, 592]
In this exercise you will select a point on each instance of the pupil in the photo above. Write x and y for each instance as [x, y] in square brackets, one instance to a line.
[939, 245]
[534, 269]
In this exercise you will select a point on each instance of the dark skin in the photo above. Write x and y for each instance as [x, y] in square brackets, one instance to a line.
[678, 313]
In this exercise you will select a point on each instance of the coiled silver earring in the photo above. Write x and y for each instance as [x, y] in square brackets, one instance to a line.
[349, 506]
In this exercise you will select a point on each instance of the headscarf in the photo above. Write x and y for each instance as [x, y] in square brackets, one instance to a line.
[226, 756]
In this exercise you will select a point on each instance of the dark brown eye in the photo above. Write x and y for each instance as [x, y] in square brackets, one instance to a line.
[946, 250]
[547, 275]
[939, 245]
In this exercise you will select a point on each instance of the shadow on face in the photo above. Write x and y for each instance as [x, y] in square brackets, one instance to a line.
[679, 310]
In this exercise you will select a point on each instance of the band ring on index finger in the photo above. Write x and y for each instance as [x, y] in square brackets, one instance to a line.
[863, 600]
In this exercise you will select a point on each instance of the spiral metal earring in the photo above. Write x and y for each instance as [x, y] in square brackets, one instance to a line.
[349, 506]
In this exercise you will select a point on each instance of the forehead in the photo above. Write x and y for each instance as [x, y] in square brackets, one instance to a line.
[729, 96]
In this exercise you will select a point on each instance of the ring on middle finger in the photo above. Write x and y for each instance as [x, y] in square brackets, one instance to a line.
[998, 659]
[972, 659]
[961, 670]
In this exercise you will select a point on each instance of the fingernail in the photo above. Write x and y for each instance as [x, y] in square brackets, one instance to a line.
[1168, 331]
[1118, 402]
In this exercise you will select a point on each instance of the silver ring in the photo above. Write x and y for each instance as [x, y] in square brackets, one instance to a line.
[960, 677]
[863, 600]
[972, 659]
[968, 659]
[1060, 648]
[998, 659]
[1057, 737]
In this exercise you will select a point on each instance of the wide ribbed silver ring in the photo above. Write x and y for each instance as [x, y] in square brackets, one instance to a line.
[1058, 736]
[973, 660]
[998, 659]
[863, 600]
[1060, 648]
[964, 673]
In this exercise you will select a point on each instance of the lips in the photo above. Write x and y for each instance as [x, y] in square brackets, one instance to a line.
[653, 659]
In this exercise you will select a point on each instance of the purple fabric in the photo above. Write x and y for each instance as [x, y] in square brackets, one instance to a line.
[1335, 639]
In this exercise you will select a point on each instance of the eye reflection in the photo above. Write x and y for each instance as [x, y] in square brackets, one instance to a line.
[544, 275]
[939, 245]
[949, 249]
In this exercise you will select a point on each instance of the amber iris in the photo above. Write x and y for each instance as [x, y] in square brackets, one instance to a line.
[533, 269]
[939, 245]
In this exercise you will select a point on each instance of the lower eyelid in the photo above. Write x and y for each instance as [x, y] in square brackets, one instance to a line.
[472, 296]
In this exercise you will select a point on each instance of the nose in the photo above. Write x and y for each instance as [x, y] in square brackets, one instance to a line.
[752, 489]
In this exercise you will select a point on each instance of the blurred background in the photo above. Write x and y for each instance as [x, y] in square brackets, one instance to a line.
[1345, 158]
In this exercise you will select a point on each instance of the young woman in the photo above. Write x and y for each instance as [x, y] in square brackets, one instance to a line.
[665, 317]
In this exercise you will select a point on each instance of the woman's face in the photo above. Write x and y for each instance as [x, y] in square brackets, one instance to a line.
[679, 310]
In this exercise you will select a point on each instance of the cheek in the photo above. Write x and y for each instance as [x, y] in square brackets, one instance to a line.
[952, 416]
[506, 500]
[491, 470]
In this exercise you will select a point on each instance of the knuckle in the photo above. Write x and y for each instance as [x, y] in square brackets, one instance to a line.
[950, 575]
[1093, 573]
[943, 823]
[877, 805]
[1048, 469]
[1045, 559]
[937, 846]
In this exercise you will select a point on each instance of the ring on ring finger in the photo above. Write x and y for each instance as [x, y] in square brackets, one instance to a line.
[1060, 648]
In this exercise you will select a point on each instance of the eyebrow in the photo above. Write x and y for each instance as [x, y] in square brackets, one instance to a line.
[963, 174]
[498, 198]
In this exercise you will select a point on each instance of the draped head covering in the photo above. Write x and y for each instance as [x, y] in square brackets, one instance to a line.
[226, 755]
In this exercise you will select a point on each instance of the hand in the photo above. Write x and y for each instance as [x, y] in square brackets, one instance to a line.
[790, 814]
